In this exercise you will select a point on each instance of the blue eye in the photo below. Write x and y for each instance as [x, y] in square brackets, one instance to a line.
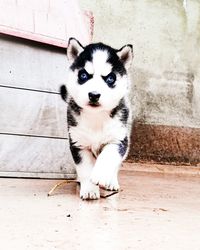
[110, 79]
[83, 76]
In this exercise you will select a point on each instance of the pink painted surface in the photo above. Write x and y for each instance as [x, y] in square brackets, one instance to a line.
[32, 36]
[51, 23]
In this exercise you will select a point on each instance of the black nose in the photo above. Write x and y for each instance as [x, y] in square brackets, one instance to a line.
[94, 96]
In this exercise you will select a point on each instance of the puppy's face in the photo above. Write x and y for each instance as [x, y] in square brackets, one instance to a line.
[97, 78]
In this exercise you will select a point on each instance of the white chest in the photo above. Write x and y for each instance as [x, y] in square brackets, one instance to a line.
[93, 131]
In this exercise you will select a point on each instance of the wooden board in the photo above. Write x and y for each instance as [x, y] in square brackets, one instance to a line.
[33, 129]
[24, 154]
[32, 113]
[31, 65]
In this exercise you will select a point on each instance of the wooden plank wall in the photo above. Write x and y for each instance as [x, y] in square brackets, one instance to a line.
[33, 129]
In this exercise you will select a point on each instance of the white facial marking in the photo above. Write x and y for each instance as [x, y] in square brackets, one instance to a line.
[100, 64]
[89, 68]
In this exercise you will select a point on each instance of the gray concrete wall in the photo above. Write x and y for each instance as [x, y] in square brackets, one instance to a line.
[166, 68]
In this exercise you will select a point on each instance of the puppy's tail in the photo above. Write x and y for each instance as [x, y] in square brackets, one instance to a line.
[63, 92]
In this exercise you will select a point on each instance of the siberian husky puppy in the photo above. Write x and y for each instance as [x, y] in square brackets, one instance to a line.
[98, 113]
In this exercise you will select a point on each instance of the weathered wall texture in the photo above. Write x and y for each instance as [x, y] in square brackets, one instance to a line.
[166, 68]
[166, 40]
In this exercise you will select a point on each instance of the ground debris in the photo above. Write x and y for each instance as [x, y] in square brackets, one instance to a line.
[160, 209]
[60, 184]
[103, 194]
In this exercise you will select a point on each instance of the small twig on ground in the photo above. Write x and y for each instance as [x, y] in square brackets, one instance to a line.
[109, 194]
[60, 184]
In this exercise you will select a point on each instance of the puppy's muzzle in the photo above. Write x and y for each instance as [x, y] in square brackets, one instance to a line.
[94, 97]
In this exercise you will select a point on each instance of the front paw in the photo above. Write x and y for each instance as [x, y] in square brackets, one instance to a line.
[89, 191]
[105, 179]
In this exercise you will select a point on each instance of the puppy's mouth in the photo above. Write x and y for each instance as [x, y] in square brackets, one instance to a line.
[94, 104]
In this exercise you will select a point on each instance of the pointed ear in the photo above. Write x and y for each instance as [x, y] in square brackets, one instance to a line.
[126, 55]
[74, 49]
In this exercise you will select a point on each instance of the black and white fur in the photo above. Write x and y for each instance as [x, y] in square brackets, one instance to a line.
[98, 113]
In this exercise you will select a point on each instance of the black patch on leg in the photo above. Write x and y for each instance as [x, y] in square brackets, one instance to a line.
[74, 107]
[63, 92]
[73, 110]
[116, 110]
[122, 111]
[124, 115]
[71, 119]
[123, 146]
[75, 151]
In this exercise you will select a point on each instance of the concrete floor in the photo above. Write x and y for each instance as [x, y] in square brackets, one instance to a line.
[153, 211]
